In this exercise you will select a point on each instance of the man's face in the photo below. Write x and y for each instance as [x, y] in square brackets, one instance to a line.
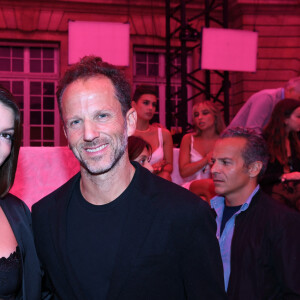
[94, 125]
[291, 93]
[230, 176]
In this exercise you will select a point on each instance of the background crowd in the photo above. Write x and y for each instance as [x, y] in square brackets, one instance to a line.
[273, 114]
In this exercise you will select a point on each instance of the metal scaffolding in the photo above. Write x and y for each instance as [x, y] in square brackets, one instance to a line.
[184, 16]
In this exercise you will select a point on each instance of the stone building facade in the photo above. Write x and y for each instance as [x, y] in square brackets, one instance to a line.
[34, 51]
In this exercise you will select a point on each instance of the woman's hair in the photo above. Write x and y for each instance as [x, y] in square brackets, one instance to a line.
[219, 121]
[142, 90]
[136, 145]
[275, 131]
[9, 166]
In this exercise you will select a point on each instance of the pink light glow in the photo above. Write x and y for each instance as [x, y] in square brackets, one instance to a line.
[229, 50]
[105, 39]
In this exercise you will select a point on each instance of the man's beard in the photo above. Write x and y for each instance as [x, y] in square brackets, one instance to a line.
[115, 156]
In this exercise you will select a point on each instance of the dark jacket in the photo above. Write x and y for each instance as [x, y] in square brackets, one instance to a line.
[19, 218]
[168, 249]
[265, 252]
[287, 192]
[275, 170]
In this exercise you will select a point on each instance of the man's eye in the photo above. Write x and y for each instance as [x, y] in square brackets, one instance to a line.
[146, 102]
[102, 116]
[205, 112]
[74, 123]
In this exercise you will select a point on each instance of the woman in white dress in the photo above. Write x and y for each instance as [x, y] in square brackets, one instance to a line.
[145, 101]
[196, 147]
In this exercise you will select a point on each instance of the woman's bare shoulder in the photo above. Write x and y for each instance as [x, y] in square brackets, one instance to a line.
[187, 137]
[165, 131]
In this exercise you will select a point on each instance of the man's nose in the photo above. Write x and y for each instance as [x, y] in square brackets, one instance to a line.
[214, 168]
[90, 131]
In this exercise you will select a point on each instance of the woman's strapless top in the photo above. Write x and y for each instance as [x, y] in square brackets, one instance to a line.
[10, 275]
[204, 173]
[158, 154]
[196, 156]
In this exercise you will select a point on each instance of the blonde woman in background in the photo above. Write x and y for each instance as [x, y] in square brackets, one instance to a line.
[196, 147]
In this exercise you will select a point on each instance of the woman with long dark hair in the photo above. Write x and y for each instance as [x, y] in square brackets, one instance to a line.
[145, 101]
[20, 274]
[282, 176]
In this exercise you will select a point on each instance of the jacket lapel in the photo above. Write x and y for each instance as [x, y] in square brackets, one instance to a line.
[59, 233]
[138, 223]
[15, 219]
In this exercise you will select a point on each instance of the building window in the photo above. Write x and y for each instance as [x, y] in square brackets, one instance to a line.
[31, 74]
[149, 68]
[147, 64]
[42, 60]
[11, 59]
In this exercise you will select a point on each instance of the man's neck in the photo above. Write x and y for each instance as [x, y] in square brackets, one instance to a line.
[104, 188]
[240, 197]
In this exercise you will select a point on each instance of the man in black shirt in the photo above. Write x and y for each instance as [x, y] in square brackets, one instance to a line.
[116, 231]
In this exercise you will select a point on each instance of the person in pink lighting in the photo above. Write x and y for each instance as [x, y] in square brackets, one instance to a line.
[257, 110]
[140, 151]
[282, 177]
[115, 231]
[196, 148]
[144, 101]
[258, 237]
[20, 272]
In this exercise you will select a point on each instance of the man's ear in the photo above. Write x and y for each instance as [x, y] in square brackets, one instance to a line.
[65, 132]
[131, 118]
[255, 168]
[288, 91]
